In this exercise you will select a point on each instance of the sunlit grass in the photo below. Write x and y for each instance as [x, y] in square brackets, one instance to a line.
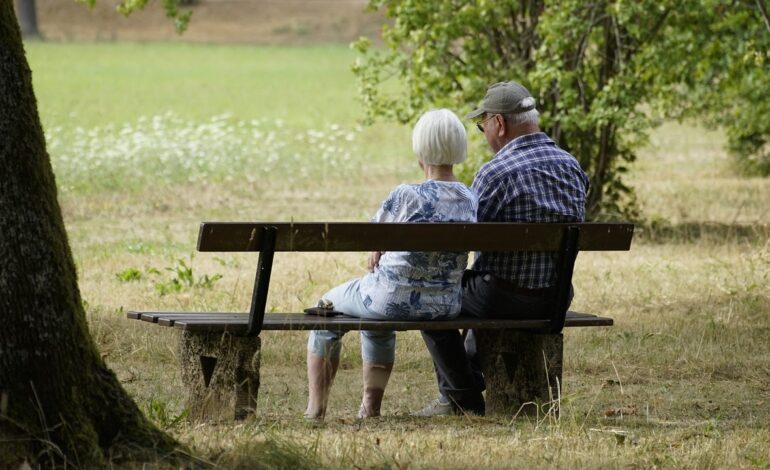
[684, 175]
[165, 149]
[100, 83]
[154, 101]
[148, 140]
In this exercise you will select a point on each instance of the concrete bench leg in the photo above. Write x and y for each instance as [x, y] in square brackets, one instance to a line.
[221, 375]
[520, 369]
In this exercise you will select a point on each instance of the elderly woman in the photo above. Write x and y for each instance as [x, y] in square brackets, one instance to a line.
[401, 285]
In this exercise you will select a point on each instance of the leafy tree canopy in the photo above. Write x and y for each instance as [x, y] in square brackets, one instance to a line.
[604, 71]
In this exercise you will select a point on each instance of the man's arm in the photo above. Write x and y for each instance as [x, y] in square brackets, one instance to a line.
[488, 192]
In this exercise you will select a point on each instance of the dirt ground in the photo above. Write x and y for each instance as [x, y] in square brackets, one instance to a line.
[233, 21]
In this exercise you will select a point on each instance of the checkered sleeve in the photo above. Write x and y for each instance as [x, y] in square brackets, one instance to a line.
[489, 197]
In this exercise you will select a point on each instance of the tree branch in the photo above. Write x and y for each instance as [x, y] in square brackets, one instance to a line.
[448, 68]
[654, 30]
[763, 12]
[457, 58]
[513, 18]
[583, 43]
[495, 42]
[619, 54]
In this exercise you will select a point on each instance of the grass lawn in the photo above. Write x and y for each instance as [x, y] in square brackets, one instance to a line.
[147, 140]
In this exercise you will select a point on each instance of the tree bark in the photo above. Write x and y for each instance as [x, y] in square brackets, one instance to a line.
[27, 12]
[59, 403]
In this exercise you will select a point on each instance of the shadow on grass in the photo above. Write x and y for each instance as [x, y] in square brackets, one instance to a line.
[270, 454]
[686, 232]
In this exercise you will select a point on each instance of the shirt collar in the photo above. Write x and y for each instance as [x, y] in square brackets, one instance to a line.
[538, 138]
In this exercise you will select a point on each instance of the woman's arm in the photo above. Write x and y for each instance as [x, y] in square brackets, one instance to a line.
[374, 260]
[388, 212]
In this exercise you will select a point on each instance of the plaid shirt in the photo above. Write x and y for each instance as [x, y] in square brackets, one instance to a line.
[529, 180]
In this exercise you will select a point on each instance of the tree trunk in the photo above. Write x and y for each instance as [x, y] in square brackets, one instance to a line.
[27, 12]
[59, 403]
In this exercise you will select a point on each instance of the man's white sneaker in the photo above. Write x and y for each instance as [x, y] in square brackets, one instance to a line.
[437, 408]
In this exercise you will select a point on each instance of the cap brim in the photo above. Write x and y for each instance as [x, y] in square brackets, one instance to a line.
[475, 114]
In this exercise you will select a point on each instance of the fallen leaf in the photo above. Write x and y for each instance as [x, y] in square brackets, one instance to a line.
[622, 411]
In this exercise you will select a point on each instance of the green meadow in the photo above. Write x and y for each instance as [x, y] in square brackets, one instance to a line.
[147, 140]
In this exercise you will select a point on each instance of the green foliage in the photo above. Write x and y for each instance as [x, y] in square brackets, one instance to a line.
[182, 277]
[162, 414]
[717, 65]
[603, 72]
[128, 275]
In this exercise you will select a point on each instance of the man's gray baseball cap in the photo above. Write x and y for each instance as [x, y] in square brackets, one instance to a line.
[504, 98]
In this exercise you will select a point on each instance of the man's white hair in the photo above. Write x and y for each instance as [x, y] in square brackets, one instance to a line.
[439, 138]
[527, 117]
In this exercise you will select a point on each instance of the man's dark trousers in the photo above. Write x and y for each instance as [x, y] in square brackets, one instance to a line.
[484, 296]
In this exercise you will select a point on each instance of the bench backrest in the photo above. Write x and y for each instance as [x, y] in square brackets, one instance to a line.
[344, 236]
[268, 237]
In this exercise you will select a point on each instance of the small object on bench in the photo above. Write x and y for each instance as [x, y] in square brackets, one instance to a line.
[325, 308]
[521, 359]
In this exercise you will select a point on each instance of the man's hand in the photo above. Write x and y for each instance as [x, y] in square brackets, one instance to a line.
[374, 260]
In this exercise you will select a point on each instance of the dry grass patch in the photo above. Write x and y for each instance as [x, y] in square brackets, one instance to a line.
[681, 380]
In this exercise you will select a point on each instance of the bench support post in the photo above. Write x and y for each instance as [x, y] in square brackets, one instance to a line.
[565, 267]
[221, 375]
[262, 281]
[522, 371]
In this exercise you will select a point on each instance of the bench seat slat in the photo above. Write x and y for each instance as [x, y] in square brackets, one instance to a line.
[154, 317]
[236, 322]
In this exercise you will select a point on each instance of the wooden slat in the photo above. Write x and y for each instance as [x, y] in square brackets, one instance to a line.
[170, 320]
[169, 317]
[305, 237]
[236, 322]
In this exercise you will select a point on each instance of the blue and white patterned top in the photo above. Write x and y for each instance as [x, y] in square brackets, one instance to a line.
[420, 285]
[529, 180]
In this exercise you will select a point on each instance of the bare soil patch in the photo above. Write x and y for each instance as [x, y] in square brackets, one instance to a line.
[230, 21]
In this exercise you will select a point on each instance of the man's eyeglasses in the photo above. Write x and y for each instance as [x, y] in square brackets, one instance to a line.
[479, 123]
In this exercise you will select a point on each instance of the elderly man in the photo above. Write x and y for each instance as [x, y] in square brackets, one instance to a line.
[530, 179]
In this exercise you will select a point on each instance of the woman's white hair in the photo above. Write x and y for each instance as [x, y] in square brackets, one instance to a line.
[439, 138]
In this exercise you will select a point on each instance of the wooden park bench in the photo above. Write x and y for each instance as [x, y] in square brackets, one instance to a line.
[521, 359]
